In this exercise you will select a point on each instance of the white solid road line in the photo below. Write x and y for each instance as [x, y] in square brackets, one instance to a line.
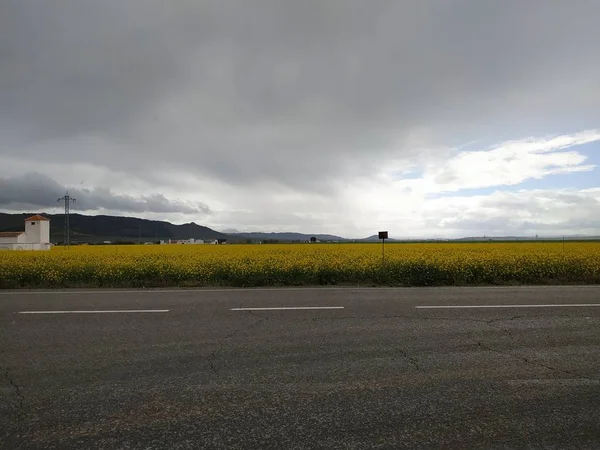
[100, 291]
[283, 308]
[567, 305]
[98, 311]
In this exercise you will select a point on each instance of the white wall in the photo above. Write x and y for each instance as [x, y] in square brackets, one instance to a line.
[45, 232]
[37, 231]
[13, 240]
[32, 231]
[24, 246]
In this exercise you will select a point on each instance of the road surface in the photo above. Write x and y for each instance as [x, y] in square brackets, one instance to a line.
[301, 368]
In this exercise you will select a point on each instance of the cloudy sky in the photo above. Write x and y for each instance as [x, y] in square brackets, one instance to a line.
[426, 118]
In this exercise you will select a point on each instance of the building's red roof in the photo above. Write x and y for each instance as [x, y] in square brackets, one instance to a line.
[36, 217]
[11, 233]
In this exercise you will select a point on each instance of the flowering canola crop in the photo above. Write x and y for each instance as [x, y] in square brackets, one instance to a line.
[303, 264]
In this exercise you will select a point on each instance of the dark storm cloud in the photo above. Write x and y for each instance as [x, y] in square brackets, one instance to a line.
[72, 67]
[37, 190]
[305, 93]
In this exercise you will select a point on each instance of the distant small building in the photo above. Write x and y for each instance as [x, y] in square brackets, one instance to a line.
[183, 241]
[35, 237]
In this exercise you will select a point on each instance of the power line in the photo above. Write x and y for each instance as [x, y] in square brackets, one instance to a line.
[68, 200]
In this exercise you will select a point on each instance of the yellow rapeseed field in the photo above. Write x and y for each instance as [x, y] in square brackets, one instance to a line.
[303, 264]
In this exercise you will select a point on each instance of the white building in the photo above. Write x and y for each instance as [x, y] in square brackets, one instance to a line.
[184, 241]
[35, 237]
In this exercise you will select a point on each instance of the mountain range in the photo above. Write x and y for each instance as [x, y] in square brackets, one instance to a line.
[286, 236]
[95, 229]
[101, 228]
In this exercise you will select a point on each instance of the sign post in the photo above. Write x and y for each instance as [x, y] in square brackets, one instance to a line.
[383, 235]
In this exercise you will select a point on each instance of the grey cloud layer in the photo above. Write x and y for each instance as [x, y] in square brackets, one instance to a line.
[280, 113]
[39, 191]
[310, 94]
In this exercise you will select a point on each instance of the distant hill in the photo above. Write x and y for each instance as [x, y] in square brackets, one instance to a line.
[529, 238]
[113, 228]
[231, 231]
[374, 238]
[94, 229]
[289, 236]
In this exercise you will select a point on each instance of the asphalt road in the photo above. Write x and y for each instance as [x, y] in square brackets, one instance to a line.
[380, 368]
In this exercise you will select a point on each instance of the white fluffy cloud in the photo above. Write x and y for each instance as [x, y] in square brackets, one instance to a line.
[524, 212]
[507, 164]
[501, 213]
[411, 206]
[380, 199]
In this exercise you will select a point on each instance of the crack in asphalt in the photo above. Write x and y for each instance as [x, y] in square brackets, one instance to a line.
[423, 402]
[255, 314]
[527, 360]
[15, 386]
[20, 398]
[504, 330]
[519, 357]
[213, 355]
[387, 316]
[414, 361]
[458, 319]
[489, 322]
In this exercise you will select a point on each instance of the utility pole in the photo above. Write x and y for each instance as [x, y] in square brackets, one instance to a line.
[67, 199]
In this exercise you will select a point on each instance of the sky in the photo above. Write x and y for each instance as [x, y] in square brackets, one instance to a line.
[430, 118]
